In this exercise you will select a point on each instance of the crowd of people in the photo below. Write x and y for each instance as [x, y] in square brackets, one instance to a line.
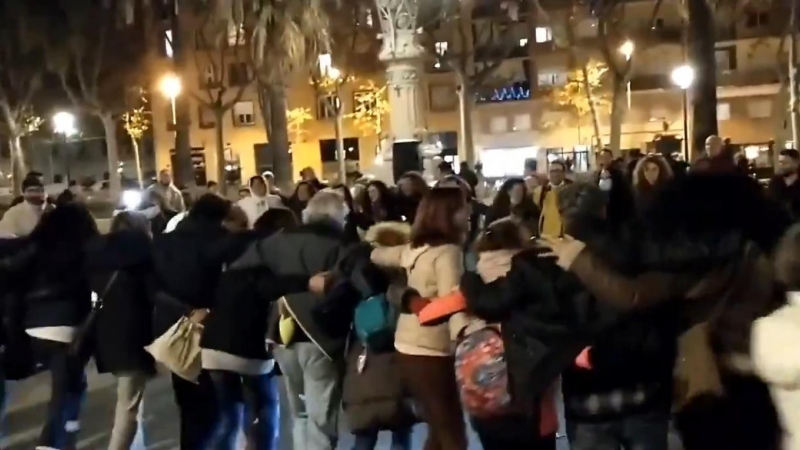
[652, 295]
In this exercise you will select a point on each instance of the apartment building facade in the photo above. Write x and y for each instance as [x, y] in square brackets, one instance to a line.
[516, 125]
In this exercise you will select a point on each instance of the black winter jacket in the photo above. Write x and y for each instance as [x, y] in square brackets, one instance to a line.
[124, 323]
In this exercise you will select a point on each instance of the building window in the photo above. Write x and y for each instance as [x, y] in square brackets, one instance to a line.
[442, 97]
[551, 78]
[235, 35]
[205, 117]
[723, 111]
[243, 114]
[327, 106]
[759, 108]
[363, 101]
[238, 74]
[498, 124]
[522, 122]
[756, 19]
[544, 34]
[168, 43]
[170, 117]
[725, 58]
[208, 78]
[327, 150]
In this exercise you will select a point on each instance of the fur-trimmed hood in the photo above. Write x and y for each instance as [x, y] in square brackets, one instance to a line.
[388, 234]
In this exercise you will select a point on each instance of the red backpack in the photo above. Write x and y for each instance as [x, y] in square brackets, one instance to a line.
[482, 374]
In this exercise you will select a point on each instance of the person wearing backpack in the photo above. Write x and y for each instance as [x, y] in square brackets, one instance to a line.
[373, 398]
[500, 422]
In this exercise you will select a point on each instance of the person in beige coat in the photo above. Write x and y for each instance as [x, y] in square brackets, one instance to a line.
[433, 262]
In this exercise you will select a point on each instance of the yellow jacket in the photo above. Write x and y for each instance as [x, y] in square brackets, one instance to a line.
[550, 218]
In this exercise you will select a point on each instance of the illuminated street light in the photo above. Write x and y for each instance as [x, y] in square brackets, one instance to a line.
[683, 77]
[333, 77]
[627, 49]
[171, 86]
[64, 123]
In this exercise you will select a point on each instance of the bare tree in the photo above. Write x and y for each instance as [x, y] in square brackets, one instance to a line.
[472, 67]
[222, 62]
[105, 52]
[21, 70]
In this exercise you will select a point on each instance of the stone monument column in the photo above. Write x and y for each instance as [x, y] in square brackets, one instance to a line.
[403, 56]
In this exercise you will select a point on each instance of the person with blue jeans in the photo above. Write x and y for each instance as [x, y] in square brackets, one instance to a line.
[251, 400]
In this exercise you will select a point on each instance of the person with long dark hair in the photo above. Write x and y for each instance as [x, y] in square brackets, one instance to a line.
[57, 298]
[355, 220]
[513, 200]
[303, 192]
[650, 173]
[119, 267]
[378, 205]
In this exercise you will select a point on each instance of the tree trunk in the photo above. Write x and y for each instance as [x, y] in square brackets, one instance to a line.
[597, 142]
[139, 177]
[618, 107]
[341, 152]
[219, 152]
[183, 170]
[466, 103]
[794, 86]
[700, 47]
[114, 182]
[279, 137]
[18, 166]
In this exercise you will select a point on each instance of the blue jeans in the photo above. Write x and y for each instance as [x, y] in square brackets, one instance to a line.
[401, 440]
[68, 390]
[637, 432]
[261, 417]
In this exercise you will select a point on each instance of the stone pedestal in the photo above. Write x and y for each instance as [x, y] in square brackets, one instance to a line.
[403, 56]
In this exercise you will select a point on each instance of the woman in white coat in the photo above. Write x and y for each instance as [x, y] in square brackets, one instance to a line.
[775, 342]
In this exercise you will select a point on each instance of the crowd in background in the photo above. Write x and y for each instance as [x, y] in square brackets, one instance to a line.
[652, 293]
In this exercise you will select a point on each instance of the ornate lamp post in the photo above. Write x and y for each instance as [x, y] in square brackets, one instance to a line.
[403, 55]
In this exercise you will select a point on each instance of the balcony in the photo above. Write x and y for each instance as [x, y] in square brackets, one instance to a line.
[728, 78]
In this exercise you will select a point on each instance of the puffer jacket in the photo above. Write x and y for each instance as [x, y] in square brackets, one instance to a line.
[433, 271]
[373, 397]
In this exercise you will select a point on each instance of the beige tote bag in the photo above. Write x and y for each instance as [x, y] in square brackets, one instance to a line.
[179, 349]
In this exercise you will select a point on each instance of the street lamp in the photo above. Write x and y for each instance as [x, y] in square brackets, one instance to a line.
[627, 49]
[171, 88]
[64, 125]
[333, 76]
[683, 77]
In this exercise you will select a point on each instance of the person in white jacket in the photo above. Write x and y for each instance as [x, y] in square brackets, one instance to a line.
[775, 342]
[22, 218]
[259, 201]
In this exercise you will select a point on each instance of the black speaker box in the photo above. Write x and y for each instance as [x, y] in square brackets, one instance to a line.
[405, 158]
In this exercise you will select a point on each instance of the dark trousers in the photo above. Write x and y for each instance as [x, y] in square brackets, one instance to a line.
[259, 393]
[431, 382]
[67, 389]
[401, 440]
[511, 432]
[648, 431]
[197, 409]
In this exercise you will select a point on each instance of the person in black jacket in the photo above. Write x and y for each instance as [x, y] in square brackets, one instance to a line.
[119, 268]
[187, 267]
[56, 299]
[311, 358]
[411, 187]
[234, 351]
